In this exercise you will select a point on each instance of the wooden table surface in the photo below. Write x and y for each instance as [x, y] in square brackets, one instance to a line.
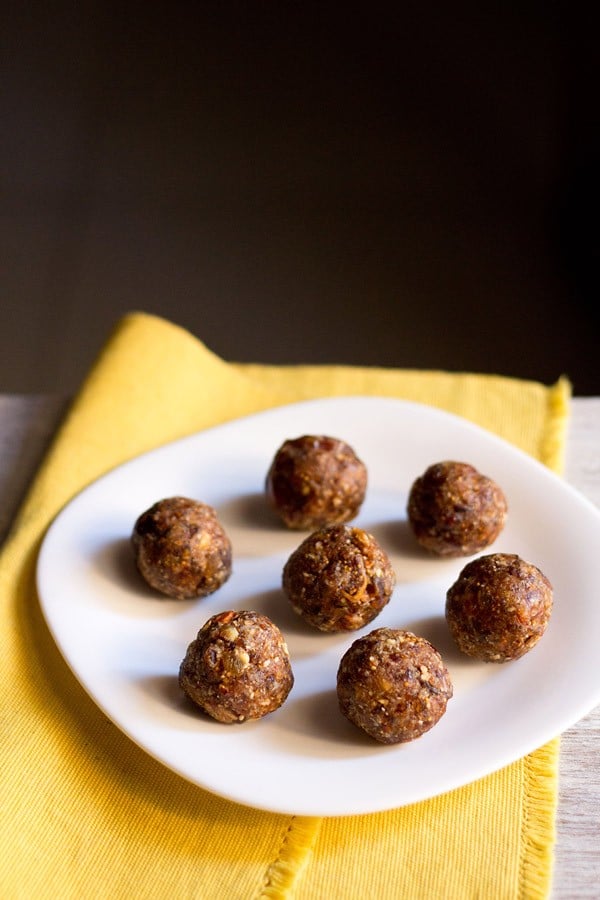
[27, 423]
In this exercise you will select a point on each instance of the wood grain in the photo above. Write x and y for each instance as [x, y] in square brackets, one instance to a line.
[577, 855]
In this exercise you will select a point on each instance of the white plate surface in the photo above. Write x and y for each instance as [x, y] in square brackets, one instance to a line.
[125, 643]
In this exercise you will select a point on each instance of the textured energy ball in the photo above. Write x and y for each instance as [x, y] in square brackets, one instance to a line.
[181, 549]
[454, 510]
[393, 685]
[237, 668]
[339, 578]
[314, 481]
[499, 607]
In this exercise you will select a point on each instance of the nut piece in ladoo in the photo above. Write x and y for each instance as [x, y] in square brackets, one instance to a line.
[499, 607]
[454, 510]
[237, 668]
[393, 685]
[339, 578]
[314, 481]
[181, 549]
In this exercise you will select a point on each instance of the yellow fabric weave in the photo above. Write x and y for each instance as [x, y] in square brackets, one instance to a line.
[86, 814]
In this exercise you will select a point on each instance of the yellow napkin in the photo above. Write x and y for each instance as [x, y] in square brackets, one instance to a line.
[87, 814]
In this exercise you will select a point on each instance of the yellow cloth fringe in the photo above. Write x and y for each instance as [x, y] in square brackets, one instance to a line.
[287, 868]
[539, 804]
[87, 815]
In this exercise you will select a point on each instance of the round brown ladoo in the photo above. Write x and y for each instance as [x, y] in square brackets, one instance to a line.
[393, 685]
[454, 510]
[181, 549]
[316, 480]
[339, 578]
[238, 667]
[499, 607]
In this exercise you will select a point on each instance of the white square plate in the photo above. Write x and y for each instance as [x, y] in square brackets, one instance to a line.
[125, 643]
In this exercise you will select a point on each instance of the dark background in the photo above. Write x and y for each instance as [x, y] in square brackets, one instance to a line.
[411, 185]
